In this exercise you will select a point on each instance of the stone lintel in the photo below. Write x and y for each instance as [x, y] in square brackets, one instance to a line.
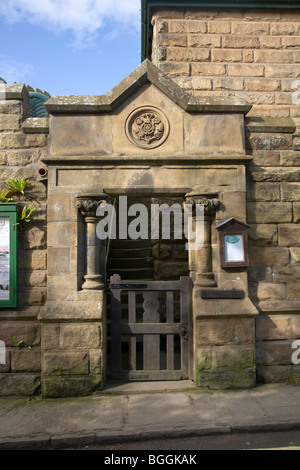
[207, 308]
[280, 306]
[270, 124]
[154, 159]
[72, 312]
[36, 125]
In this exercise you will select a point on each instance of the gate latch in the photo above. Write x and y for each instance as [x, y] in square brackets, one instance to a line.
[183, 333]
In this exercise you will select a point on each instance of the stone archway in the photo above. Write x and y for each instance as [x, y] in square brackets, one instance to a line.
[147, 133]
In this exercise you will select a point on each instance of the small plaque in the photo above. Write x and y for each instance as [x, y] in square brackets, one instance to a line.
[222, 294]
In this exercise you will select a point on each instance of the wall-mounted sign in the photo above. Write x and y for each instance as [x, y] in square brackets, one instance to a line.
[233, 243]
[8, 255]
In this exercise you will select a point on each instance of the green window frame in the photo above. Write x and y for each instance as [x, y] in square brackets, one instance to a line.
[8, 255]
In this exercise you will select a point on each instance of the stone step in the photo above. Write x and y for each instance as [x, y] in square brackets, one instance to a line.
[132, 274]
[130, 244]
[133, 263]
[131, 252]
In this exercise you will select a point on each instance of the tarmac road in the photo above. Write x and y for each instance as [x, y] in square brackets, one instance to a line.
[284, 440]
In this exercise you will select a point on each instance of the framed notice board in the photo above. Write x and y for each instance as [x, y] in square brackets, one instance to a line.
[8, 254]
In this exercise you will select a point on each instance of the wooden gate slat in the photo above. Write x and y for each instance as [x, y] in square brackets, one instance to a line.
[170, 338]
[150, 329]
[132, 319]
[116, 338]
[151, 343]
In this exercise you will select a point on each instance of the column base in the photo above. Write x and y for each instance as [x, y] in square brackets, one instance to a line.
[93, 282]
[205, 280]
[224, 380]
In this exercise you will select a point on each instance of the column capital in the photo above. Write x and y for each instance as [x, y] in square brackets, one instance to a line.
[209, 200]
[88, 204]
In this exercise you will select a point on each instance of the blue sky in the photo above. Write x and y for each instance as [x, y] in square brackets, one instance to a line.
[68, 47]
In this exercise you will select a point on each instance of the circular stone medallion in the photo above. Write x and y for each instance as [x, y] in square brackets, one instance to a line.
[147, 127]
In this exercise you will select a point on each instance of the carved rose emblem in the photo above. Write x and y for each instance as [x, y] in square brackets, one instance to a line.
[147, 128]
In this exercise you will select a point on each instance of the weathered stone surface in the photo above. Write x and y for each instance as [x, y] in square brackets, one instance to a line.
[266, 141]
[19, 157]
[10, 107]
[296, 212]
[269, 291]
[65, 362]
[232, 357]
[32, 295]
[263, 234]
[26, 331]
[80, 336]
[289, 235]
[202, 134]
[95, 361]
[295, 254]
[273, 327]
[62, 234]
[228, 331]
[203, 359]
[25, 360]
[80, 135]
[90, 308]
[170, 270]
[32, 259]
[50, 336]
[36, 125]
[290, 191]
[269, 212]
[289, 158]
[293, 292]
[58, 261]
[33, 238]
[33, 278]
[260, 273]
[274, 352]
[273, 174]
[9, 122]
[263, 192]
[222, 380]
[65, 386]
[287, 273]
[58, 207]
[19, 384]
[273, 373]
[268, 256]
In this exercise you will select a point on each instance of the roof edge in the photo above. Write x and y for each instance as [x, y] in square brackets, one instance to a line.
[145, 72]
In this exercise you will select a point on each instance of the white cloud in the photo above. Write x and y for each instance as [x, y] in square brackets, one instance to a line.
[82, 17]
[13, 71]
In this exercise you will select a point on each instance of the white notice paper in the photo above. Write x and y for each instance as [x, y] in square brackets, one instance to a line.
[234, 248]
[4, 258]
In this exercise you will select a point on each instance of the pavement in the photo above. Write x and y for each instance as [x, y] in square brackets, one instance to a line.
[137, 411]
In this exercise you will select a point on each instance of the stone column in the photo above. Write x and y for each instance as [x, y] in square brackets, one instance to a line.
[87, 207]
[200, 262]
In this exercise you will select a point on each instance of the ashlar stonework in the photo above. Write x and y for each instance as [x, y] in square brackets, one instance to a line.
[152, 141]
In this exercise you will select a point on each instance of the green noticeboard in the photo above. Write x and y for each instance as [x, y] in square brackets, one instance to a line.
[8, 254]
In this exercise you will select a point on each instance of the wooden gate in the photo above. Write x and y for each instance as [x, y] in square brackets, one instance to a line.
[151, 337]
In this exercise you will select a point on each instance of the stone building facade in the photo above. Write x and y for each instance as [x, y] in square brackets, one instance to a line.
[223, 82]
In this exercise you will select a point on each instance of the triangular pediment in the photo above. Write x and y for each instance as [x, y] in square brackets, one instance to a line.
[146, 72]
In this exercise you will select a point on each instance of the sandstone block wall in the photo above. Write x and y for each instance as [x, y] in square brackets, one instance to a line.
[254, 54]
[273, 191]
[20, 156]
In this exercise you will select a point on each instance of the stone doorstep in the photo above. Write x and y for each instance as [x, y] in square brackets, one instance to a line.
[149, 387]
